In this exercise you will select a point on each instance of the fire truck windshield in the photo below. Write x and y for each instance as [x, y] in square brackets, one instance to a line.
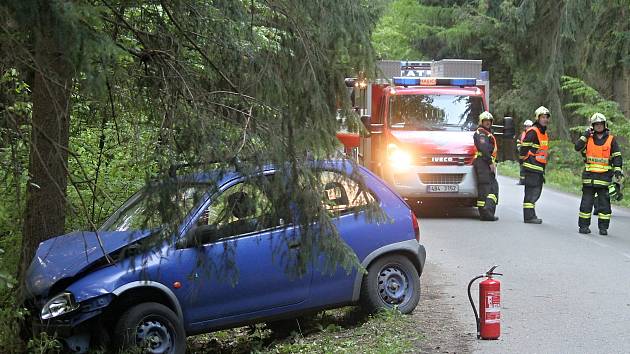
[434, 112]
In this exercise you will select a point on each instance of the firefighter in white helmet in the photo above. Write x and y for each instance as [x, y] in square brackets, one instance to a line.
[602, 168]
[526, 125]
[485, 168]
[534, 155]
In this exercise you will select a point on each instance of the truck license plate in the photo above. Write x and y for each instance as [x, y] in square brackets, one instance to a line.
[442, 188]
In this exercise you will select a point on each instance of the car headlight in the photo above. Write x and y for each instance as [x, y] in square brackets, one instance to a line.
[400, 160]
[59, 305]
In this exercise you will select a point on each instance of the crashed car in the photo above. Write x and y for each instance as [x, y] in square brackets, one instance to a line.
[229, 262]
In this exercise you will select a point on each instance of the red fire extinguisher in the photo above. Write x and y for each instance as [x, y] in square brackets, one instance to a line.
[489, 318]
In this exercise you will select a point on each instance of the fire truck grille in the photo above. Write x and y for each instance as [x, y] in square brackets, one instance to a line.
[443, 160]
[441, 178]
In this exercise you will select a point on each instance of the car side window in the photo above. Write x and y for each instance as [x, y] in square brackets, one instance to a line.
[241, 209]
[342, 194]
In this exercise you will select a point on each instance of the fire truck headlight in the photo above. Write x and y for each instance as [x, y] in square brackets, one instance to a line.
[399, 160]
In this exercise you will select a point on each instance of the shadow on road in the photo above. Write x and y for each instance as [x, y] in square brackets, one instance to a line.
[443, 210]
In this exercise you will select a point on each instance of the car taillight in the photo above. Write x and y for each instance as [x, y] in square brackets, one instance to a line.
[416, 226]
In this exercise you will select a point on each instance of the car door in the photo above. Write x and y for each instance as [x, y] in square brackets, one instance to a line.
[251, 267]
[349, 205]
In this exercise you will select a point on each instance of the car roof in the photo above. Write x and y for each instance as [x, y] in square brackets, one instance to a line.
[223, 175]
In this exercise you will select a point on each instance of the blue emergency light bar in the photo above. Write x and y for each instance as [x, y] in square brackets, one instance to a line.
[433, 81]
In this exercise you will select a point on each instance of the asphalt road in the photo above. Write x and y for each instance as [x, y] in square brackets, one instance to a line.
[562, 292]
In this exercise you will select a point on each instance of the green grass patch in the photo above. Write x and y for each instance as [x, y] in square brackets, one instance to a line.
[346, 330]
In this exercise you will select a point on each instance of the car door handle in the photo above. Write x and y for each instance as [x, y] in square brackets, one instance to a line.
[293, 245]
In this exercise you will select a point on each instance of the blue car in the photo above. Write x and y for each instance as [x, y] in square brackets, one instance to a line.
[237, 257]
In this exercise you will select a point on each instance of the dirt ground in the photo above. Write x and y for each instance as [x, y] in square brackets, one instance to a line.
[436, 320]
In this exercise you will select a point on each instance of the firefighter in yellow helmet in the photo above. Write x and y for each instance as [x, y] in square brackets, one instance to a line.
[602, 169]
[533, 154]
[485, 168]
[526, 125]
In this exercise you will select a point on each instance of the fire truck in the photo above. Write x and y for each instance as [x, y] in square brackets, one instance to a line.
[420, 119]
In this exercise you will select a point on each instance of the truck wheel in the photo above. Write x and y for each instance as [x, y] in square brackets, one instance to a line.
[152, 327]
[392, 281]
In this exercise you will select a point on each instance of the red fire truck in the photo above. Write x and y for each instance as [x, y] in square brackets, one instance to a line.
[421, 124]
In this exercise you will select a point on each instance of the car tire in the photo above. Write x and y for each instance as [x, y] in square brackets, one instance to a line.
[392, 282]
[152, 325]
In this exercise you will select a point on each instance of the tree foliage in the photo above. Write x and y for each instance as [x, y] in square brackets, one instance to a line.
[526, 45]
[163, 83]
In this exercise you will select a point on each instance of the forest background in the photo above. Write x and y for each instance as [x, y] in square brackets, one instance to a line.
[137, 88]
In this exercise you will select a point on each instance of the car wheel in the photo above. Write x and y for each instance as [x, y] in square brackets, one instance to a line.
[152, 327]
[391, 282]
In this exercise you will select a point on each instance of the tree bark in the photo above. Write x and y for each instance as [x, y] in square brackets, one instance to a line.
[46, 189]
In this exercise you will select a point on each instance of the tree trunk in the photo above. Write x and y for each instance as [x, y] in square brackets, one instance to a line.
[46, 189]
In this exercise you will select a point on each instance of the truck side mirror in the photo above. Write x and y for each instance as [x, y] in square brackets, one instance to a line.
[508, 128]
[365, 119]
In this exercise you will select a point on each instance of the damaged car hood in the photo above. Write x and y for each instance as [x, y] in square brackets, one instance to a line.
[65, 256]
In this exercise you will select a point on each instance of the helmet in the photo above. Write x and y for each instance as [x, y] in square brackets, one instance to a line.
[598, 118]
[541, 110]
[485, 116]
[528, 123]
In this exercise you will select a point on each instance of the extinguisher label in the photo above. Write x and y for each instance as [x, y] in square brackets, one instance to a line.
[493, 307]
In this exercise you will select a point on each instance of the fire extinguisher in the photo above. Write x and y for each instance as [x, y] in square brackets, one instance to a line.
[489, 318]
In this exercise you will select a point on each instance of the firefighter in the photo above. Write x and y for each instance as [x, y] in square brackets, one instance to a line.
[526, 124]
[485, 168]
[602, 165]
[533, 155]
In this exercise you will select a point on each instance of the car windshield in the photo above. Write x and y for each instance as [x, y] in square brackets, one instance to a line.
[434, 112]
[152, 207]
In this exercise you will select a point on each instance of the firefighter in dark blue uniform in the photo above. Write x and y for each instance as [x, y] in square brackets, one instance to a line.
[534, 156]
[602, 165]
[485, 168]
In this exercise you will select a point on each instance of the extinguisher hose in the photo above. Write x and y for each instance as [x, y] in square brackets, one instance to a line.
[472, 304]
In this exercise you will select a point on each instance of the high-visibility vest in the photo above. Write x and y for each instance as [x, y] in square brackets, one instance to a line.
[541, 155]
[520, 141]
[598, 156]
[481, 130]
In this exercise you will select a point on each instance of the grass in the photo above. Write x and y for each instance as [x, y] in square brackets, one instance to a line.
[346, 330]
[563, 179]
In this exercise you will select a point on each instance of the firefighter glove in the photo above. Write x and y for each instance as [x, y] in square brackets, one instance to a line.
[588, 132]
[618, 175]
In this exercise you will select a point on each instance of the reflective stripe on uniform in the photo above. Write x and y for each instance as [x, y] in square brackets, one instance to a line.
[583, 138]
[597, 168]
[493, 197]
[481, 203]
[526, 144]
[617, 168]
[528, 205]
[585, 215]
[614, 154]
[603, 216]
[587, 181]
[601, 183]
[533, 167]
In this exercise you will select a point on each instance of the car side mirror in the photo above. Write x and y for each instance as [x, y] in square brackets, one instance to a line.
[199, 235]
[508, 128]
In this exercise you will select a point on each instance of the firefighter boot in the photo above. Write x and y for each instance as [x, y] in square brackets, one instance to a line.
[533, 221]
[603, 232]
[585, 230]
